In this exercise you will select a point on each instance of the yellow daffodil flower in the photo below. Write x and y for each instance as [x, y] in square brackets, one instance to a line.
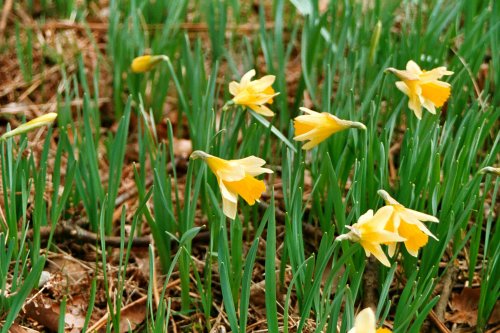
[146, 63]
[46, 119]
[365, 322]
[408, 224]
[254, 94]
[317, 127]
[236, 178]
[423, 87]
[489, 169]
[370, 231]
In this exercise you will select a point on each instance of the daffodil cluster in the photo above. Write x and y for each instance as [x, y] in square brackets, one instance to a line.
[390, 225]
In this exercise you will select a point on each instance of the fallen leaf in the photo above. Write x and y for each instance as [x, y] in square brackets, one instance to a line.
[15, 328]
[133, 315]
[465, 307]
[46, 312]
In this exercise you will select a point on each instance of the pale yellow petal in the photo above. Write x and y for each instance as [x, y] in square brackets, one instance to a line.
[226, 170]
[263, 83]
[382, 237]
[403, 87]
[226, 193]
[415, 105]
[253, 165]
[377, 251]
[365, 321]
[309, 111]
[365, 217]
[434, 74]
[429, 106]
[245, 79]
[413, 68]
[421, 216]
[234, 88]
[381, 217]
[262, 109]
[229, 208]
[391, 249]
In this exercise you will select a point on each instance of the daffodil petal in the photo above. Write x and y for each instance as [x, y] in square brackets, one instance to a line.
[365, 321]
[412, 67]
[263, 83]
[245, 79]
[234, 88]
[229, 208]
[377, 251]
[421, 216]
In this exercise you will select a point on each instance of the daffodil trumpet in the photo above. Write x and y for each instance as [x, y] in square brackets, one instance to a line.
[45, 120]
[316, 127]
[423, 88]
[407, 223]
[236, 178]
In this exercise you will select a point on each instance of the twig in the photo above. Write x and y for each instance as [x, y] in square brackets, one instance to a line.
[448, 282]
[101, 322]
[442, 328]
[7, 7]
[75, 232]
[370, 284]
[188, 26]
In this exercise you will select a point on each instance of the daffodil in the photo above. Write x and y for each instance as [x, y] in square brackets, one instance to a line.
[423, 87]
[146, 63]
[408, 224]
[317, 127]
[236, 178]
[46, 119]
[365, 323]
[490, 169]
[370, 231]
[254, 94]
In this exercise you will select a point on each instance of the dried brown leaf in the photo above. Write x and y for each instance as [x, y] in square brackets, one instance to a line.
[465, 307]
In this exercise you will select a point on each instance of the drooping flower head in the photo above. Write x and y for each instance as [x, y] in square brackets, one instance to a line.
[317, 127]
[408, 224]
[146, 63]
[365, 322]
[236, 178]
[423, 87]
[370, 232]
[254, 94]
[46, 119]
[490, 169]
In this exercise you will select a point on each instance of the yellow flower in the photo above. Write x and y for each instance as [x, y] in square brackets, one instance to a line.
[365, 323]
[317, 127]
[146, 63]
[46, 119]
[254, 94]
[408, 224]
[489, 169]
[370, 232]
[236, 178]
[423, 87]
